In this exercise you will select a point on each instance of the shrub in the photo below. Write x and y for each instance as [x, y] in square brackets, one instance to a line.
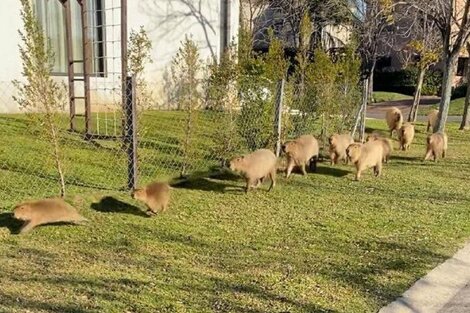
[404, 82]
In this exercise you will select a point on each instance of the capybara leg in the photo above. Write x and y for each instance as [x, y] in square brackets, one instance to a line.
[302, 168]
[248, 185]
[443, 154]
[290, 167]
[259, 182]
[378, 169]
[272, 176]
[333, 158]
[313, 163]
[27, 226]
[435, 156]
[428, 155]
[358, 175]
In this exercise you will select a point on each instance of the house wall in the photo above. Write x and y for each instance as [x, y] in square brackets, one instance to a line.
[167, 23]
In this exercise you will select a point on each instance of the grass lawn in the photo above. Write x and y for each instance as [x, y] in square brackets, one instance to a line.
[384, 96]
[321, 243]
[456, 107]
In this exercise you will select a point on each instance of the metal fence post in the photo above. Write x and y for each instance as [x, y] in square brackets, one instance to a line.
[278, 119]
[130, 137]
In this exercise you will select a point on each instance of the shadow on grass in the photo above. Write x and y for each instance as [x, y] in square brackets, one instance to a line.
[203, 184]
[406, 158]
[8, 221]
[332, 171]
[113, 205]
[18, 302]
[409, 260]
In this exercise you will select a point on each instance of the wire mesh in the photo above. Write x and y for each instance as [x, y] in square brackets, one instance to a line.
[137, 139]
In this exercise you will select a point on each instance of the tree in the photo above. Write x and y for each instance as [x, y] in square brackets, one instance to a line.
[426, 45]
[373, 27]
[40, 96]
[452, 18]
[465, 124]
[185, 71]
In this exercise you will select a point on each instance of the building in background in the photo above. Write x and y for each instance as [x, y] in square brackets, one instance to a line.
[212, 24]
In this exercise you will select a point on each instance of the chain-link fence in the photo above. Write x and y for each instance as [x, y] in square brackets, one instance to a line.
[111, 134]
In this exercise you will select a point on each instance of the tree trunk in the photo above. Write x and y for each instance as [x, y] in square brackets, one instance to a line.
[465, 124]
[358, 119]
[447, 81]
[370, 91]
[417, 96]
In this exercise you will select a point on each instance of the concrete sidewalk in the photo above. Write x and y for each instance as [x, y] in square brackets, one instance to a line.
[446, 289]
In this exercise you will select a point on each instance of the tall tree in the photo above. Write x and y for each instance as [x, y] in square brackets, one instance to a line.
[426, 43]
[373, 27]
[452, 18]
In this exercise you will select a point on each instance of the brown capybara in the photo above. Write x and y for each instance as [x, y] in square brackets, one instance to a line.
[394, 119]
[432, 119]
[364, 156]
[338, 145]
[156, 196]
[436, 146]
[386, 145]
[46, 211]
[301, 152]
[406, 136]
[254, 167]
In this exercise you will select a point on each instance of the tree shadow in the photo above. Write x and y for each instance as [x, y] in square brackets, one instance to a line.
[15, 301]
[8, 221]
[113, 205]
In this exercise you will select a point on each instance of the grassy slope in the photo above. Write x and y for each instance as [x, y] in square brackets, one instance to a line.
[321, 243]
[455, 108]
[384, 96]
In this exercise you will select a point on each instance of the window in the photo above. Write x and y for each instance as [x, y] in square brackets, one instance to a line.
[461, 65]
[52, 19]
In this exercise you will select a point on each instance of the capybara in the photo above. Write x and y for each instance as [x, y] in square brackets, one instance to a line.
[394, 119]
[406, 136]
[155, 196]
[436, 146]
[254, 167]
[364, 156]
[338, 145]
[386, 145]
[301, 152]
[46, 211]
[432, 119]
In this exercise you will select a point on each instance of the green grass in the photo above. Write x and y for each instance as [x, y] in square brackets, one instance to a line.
[321, 243]
[385, 96]
[455, 108]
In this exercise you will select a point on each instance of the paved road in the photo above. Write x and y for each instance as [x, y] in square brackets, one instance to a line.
[378, 110]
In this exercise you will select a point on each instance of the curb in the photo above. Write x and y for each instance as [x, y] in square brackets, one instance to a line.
[432, 292]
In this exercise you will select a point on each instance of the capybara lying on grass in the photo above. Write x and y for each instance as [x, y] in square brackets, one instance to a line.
[367, 155]
[155, 196]
[46, 211]
[338, 145]
[406, 136]
[436, 146]
[394, 119]
[254, 167]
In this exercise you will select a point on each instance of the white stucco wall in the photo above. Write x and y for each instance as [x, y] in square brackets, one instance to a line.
[166, 21]
[10, 67]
